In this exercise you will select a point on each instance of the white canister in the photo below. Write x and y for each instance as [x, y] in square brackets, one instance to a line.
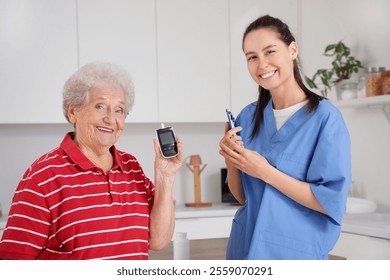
[181, 246]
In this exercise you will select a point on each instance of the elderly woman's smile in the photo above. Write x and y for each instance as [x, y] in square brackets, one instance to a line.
[104, 129]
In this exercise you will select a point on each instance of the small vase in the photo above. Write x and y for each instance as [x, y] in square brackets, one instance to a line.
[347, 89]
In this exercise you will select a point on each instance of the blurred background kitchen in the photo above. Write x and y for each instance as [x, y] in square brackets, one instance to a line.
[187, 64]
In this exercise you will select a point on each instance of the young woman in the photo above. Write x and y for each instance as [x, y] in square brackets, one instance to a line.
[288, 158]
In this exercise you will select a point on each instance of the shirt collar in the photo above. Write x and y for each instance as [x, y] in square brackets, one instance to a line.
[76, 155]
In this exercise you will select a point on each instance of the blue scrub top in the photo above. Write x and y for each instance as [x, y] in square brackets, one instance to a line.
[313, 148]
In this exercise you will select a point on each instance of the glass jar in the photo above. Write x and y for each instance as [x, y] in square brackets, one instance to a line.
[362, 86]
[347, 89]
[373, 81]
[385, 76]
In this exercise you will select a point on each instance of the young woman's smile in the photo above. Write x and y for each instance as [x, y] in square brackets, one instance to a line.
[268, 75]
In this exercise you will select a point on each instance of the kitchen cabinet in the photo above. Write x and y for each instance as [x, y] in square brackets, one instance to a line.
[184, 56]
[38, 52]
[123, 32]
[360, 247]
[193, 60]
[205, 222]
[243, 89]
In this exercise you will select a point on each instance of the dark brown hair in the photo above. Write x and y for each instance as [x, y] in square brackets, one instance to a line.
[264, 95]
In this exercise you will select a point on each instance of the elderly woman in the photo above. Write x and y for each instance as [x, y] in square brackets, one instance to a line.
[86, 199]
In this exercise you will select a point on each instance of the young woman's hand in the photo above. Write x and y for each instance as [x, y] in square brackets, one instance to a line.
[236, 155]
[228, 140]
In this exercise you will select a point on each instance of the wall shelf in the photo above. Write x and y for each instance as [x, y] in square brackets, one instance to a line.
[382, 102]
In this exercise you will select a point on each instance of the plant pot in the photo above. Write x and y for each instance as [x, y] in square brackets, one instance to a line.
[347, 89]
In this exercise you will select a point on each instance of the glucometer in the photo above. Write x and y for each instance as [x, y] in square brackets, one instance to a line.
[166, 138]
[230, 118]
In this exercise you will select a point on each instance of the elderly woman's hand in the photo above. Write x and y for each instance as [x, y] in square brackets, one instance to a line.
[162, 217]
[168, 166]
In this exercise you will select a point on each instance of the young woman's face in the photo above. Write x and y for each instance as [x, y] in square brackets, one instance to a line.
[100, 122]
[270, 62]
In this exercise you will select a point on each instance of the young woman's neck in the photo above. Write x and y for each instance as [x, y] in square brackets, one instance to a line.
[287, 96]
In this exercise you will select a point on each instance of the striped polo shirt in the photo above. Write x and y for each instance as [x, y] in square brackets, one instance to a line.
[67, 208]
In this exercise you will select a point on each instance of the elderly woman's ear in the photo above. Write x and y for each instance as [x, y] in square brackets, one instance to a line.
[70, 113]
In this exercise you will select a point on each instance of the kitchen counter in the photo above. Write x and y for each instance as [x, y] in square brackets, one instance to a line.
[204, 249]
[369, 224]
[216, 210]
[364, 236]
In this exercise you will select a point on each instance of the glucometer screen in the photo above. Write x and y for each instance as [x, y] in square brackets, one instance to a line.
[166, 138]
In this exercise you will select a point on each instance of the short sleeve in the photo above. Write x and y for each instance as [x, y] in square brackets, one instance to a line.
[28, 224]
[329, 172]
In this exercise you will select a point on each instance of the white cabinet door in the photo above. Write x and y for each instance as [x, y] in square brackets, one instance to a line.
[242, 12]
[243, 88]
[123, 32]
[205, 227]
[360, 247]
[193, 60]
[38, 52]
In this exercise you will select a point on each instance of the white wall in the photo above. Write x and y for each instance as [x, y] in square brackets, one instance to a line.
[362, 24]
[364, 27]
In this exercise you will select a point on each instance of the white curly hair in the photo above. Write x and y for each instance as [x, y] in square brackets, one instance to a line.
[92, 75]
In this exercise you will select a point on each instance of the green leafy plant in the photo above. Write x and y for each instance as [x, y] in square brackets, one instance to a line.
[343, 66]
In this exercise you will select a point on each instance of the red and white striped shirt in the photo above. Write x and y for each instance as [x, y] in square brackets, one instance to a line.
[67, 208]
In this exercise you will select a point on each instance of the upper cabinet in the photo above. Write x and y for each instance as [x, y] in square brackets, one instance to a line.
[123, 32]
[38, 52]
[193, 60]
[184, 56]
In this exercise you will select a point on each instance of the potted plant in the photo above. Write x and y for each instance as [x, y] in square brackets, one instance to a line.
[343, 66]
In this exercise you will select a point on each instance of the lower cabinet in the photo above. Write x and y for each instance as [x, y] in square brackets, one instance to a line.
[205, 222]
[205, 228]
[360, 247]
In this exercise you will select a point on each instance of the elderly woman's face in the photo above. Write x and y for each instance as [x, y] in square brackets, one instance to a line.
[100, 122]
